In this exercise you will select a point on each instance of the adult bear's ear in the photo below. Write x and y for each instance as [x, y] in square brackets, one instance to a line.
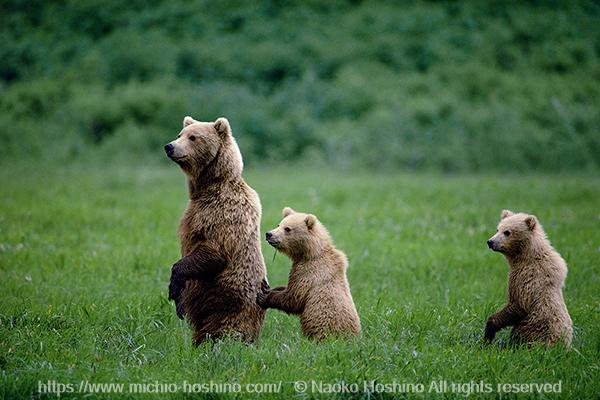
[287, 211]
[531, 222]
[506, 214]
[222, 126]
[188, 121]
[310, 221]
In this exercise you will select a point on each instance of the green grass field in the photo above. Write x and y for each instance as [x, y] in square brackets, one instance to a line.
[85, 257]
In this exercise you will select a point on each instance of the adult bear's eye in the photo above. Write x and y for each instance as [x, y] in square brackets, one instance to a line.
[506, 233]
[192, 138]
[287, 229]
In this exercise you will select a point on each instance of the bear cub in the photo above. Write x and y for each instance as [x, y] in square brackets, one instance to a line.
[536, 309]
[317, 289]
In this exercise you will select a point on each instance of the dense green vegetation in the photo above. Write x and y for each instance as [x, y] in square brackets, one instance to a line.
[91, 91]
[85, 261]
[413, 85]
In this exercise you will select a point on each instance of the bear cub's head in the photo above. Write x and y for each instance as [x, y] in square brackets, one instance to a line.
[299, 235]
[202, 143]
[515, 231]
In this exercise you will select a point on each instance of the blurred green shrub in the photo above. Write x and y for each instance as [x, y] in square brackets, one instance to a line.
[385, 85]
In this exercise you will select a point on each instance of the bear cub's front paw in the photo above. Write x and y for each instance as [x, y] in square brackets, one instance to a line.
[261, 296]
[261, 299]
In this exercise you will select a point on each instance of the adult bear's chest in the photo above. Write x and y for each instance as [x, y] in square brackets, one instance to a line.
[200, 223]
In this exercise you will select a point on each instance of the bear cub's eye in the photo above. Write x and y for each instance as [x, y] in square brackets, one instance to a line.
[192, 138]
[287, 229]
[506, 233]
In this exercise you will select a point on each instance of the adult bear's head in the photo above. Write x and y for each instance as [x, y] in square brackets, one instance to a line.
[206, 150]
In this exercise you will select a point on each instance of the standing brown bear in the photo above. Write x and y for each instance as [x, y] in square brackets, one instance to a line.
[317, 288]
[536, 308]
[221, 270]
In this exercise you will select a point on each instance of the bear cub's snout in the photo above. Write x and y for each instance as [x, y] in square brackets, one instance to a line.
[271, 239]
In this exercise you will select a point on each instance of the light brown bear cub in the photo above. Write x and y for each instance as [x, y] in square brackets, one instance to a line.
[317, 289]
[535, 308]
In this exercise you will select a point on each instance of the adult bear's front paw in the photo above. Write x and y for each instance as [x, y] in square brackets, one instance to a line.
[175, 289]
[179, 309]
[176, 286]
[490, 330]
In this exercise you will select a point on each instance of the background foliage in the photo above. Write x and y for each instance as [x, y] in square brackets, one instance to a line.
[385, 85]
[85, 252]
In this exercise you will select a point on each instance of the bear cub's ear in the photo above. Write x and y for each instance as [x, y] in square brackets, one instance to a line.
[310, 221]
[222, 126]
[531, 221]
[188, 121]
[287, 211]
[506, 214]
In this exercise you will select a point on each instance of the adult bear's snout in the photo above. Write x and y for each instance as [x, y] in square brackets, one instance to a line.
[490, 243]
[169, 148]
